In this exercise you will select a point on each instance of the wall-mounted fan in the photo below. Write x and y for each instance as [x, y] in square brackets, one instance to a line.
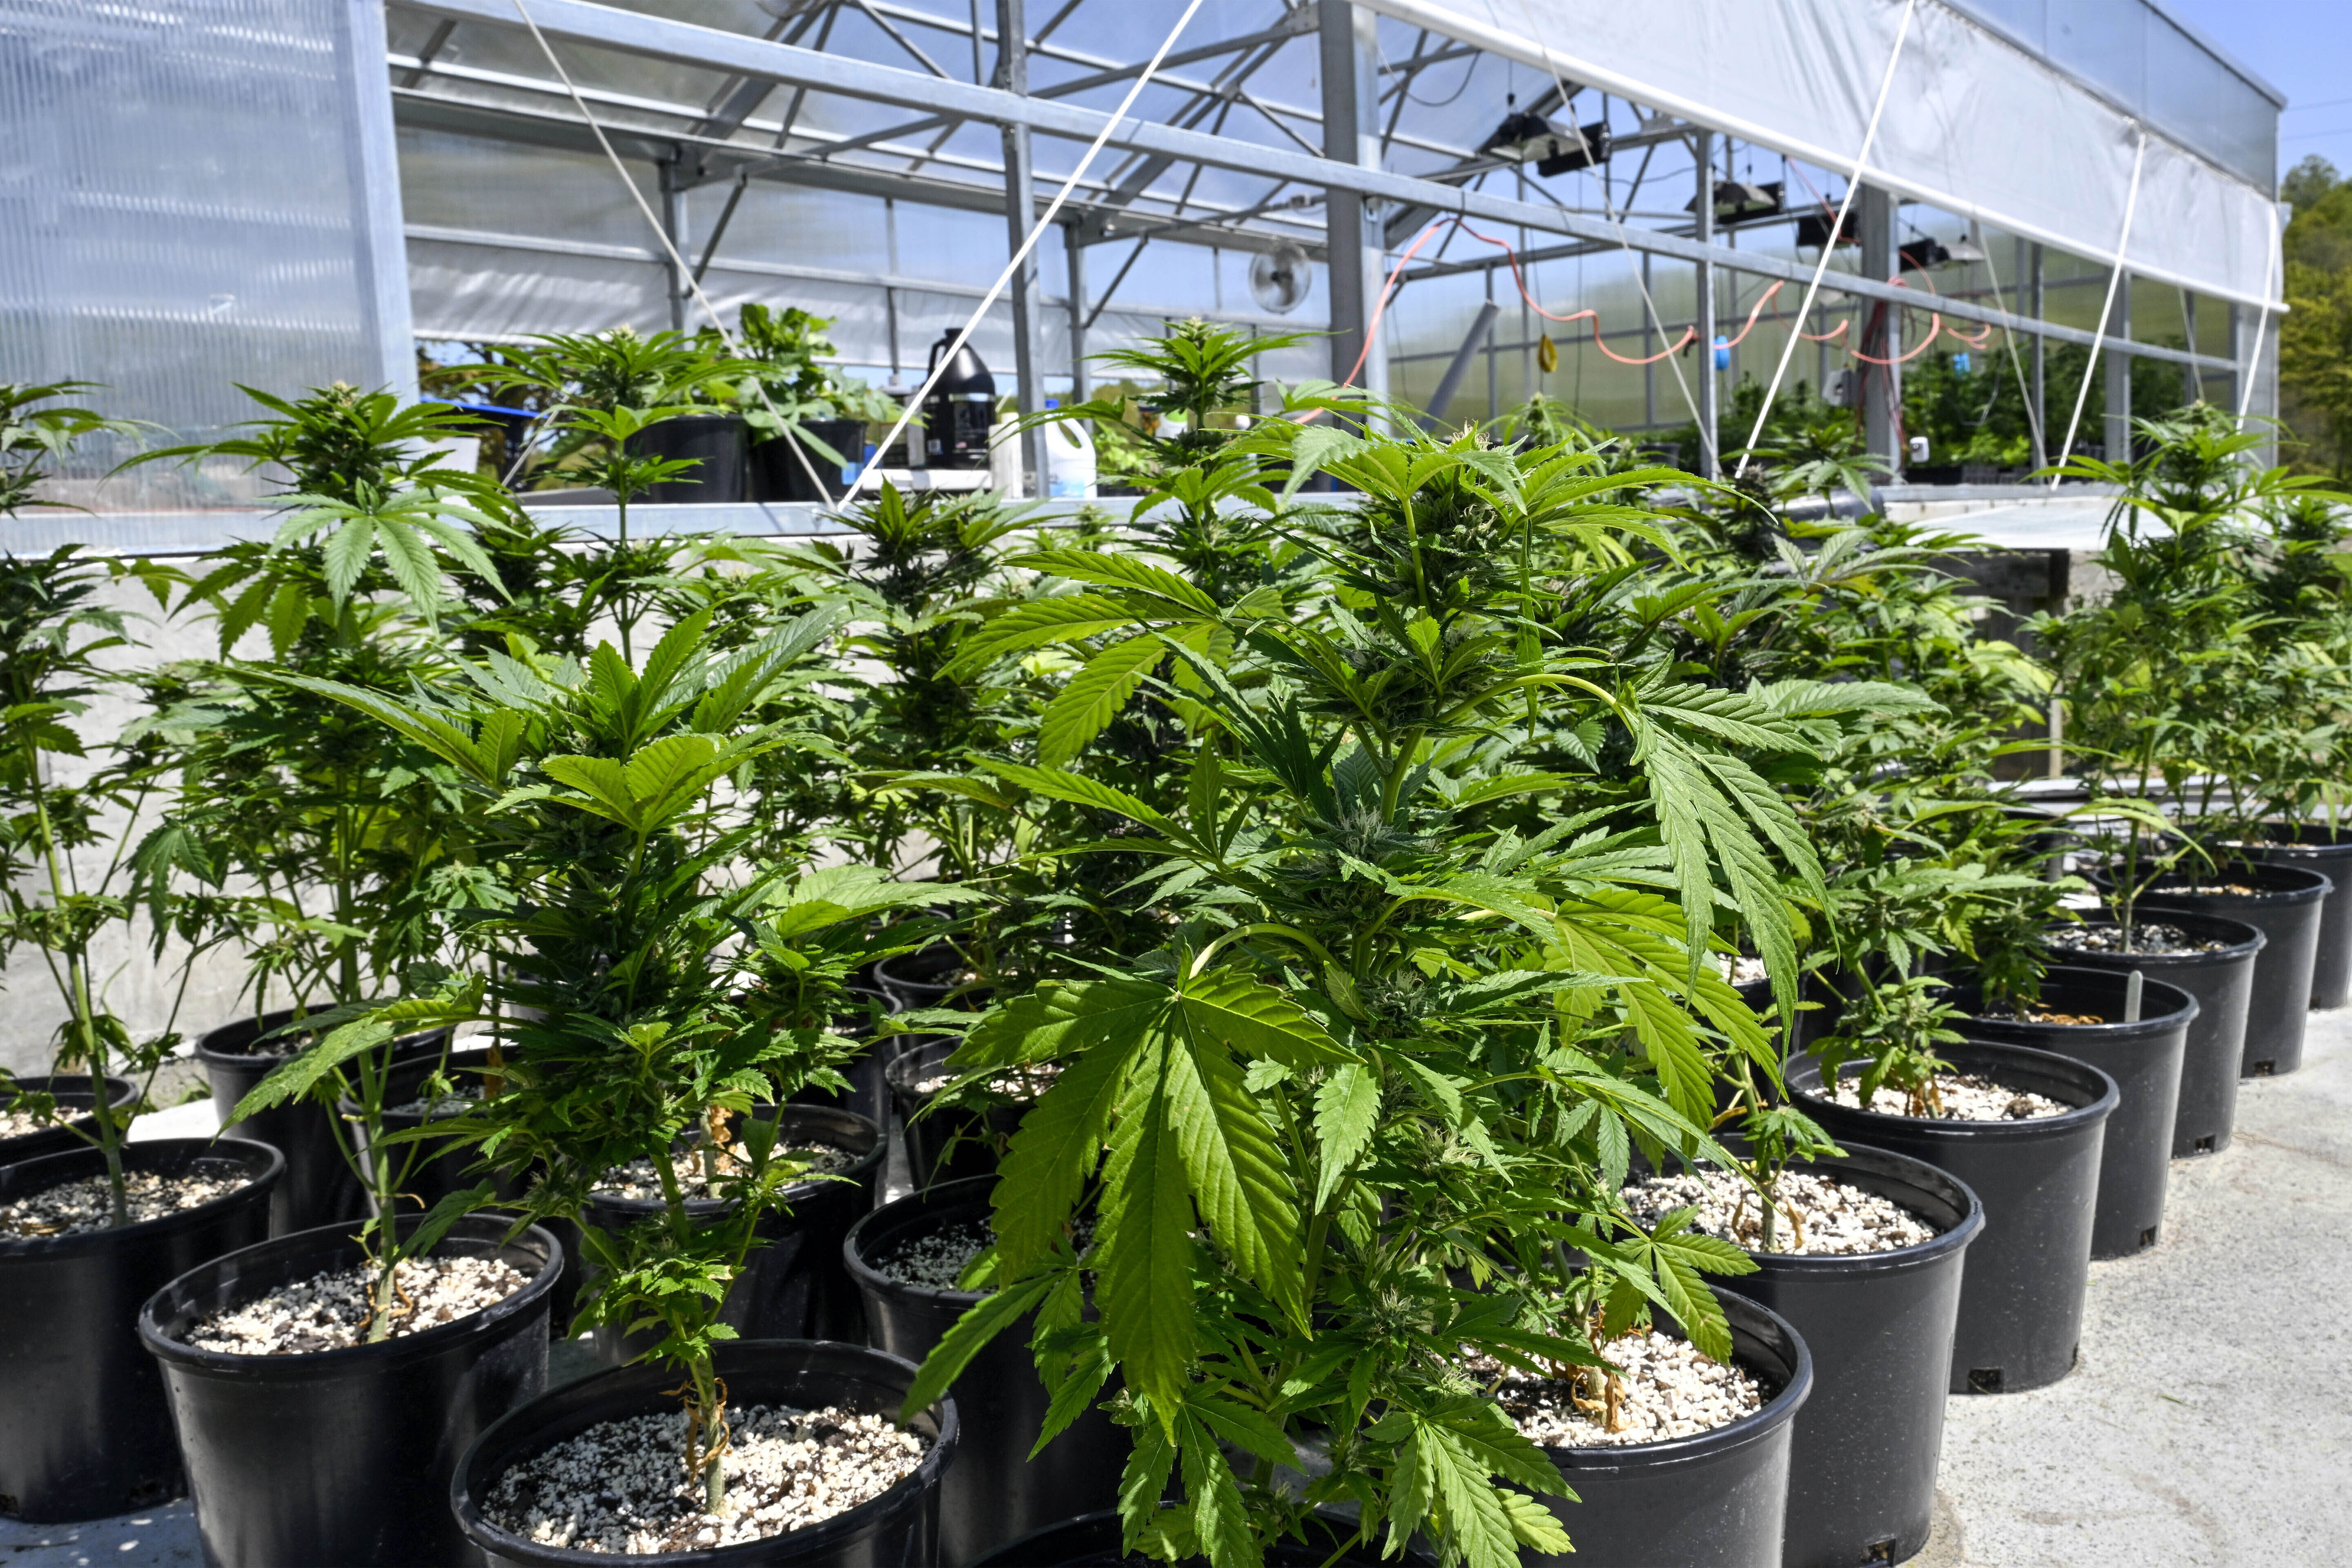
[1278, 278]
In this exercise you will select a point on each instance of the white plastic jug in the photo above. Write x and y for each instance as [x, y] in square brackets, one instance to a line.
[1069, 462]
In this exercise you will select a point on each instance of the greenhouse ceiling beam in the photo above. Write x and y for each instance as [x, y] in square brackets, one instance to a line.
[1055, 89]
[713, 48]
[564, 133]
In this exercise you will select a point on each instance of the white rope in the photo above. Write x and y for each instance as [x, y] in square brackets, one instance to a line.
[1609, 207]
[2262, 324]
[2106, 311]
[662, 234]
[1028, 245]
[1829, 244]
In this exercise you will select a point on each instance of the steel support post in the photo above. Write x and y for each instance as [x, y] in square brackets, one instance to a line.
[1075, 254]
[1349, 69]
[1882, 404]
[1710, 412]
[2116, 436]
[2039, 425]
[673, 216]
[1019, 212]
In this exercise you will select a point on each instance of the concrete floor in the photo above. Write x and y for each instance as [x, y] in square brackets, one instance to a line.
[2210, 1419]
[2208, 1426]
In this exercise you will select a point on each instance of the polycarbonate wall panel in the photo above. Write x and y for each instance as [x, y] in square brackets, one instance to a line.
[194, 195]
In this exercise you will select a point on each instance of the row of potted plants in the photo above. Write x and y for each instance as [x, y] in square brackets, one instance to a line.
[1334, 964]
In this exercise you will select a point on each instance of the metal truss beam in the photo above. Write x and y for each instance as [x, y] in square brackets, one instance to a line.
[713, 48]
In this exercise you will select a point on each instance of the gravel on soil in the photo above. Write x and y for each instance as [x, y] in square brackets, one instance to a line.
[329, 1311]
[1742, 970]
[2152, 937]
[936, 1260]
[1668, 1390]
[638, 1179]
[16, 1123]
[1965, 1097]
[1831, 1218]
[457, 1102]
[620, 1487]
[1024, 1084]
[82, 1206]
[2214, 890]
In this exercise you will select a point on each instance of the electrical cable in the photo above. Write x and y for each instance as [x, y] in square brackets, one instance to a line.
[1853, 185]
[2106, 311]
[1681, 384]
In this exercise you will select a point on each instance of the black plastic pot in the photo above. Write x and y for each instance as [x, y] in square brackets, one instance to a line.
[343, 1456]
[948, 1146]
[2285, 908]
[435, 1176]
[717, 445]
[1715, 1500]
[794, 1286]
[2021, 1294]
[1093, 1541]
[320, 1187]
[1861, 1468]
[2144, 1059]
[2327, 851]
[71, 1092]
[85, 1431]
[2223, 982]
[779, 474]
[900, 1527]
[995, 1492]
[928, 978]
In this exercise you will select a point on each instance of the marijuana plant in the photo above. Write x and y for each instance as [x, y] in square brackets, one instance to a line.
[1390, 1063]
[654, 992]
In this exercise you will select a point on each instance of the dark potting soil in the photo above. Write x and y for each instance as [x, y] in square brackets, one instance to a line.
[84, 1205]
[1961, 1097]
[2028, 1014]
[1820, 1215]
[2152, 937]
[638, 1179]
[331, 1310]
[620, 1487]
[1667, 1389]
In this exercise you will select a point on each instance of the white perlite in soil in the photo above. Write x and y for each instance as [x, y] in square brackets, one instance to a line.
[16, 1123]
[1820, 1215]
[620, 1487]
[638, 1179]
[329, 1311]
[2148, 936]
[1742, 970]
[1965, 1098]
[1668, 1390]
[1023, 1084]
[937, 1260]
[73, 1208]
[457, 1102]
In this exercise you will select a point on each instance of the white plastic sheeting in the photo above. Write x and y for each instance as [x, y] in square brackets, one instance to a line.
[194, 195]
[1974, 125]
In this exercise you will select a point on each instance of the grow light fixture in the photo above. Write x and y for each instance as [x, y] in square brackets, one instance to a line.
[1813, 230]
[1921, 254]
[1738, 201]
[1528, 137]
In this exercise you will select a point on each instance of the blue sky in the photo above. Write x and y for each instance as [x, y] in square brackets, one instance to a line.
[2302, 47]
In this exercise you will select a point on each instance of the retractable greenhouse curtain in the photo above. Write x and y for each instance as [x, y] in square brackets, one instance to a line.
[1975, 124]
